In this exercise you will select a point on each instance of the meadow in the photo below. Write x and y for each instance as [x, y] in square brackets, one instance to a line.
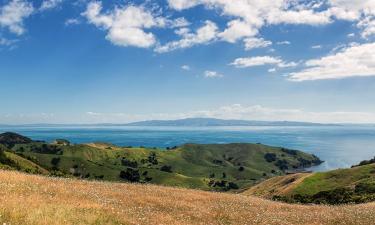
[34, 199]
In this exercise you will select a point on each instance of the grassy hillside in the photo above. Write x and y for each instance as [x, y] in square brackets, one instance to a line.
[207, 167]
[31, 199]
[354, 185]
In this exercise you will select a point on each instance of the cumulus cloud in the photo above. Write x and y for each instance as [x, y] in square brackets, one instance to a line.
[206, 33]
[362, 11]
[13, 14]
[261, 61]
[125, 25]
[236, 30]
[212, 74]
[352, 61]
[251, 43]
[252, 15]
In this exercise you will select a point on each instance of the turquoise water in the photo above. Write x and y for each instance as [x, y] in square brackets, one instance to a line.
[338, 146]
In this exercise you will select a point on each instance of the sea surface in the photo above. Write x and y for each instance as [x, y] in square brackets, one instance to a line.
[338, 146]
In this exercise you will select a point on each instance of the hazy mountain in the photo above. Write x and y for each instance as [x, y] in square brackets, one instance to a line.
[194, 122]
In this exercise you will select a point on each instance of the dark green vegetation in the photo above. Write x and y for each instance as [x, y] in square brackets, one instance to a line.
[208, 167]
[354, 185]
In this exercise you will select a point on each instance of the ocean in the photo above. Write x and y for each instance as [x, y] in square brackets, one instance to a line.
[338, 146]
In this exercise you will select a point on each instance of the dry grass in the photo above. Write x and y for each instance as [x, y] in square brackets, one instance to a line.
[28, 199]
[280, 185]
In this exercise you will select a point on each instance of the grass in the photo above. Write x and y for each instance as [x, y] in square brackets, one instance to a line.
[325, 181]
[32, 199]
[193, 165]
[353, 185]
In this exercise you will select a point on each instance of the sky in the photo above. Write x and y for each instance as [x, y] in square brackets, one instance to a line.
[91, 61]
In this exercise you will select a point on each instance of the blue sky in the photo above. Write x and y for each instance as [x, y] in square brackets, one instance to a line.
[77, 61]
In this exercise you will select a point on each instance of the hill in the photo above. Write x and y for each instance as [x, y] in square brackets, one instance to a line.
[354, 185]
[226, 167]
[9, 139]
[204, 122]
[39, 200]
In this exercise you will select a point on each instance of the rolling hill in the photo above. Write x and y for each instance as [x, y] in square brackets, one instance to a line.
[353, 185]
[226, 167]
[39, 200]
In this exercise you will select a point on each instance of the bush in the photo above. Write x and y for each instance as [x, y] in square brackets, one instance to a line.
[166, 168]
[152, 158]
[130, 175]
[55, 162]
[282, 164]
[129, 163]
[290, 152]
[270, 157]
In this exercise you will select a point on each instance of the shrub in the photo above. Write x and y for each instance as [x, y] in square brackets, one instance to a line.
[152, 158]
[270, 157]
[130, 175]
[166, 168]
[55, 162]
[129, 163]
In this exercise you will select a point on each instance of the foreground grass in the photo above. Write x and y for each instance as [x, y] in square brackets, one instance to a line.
[31, 199]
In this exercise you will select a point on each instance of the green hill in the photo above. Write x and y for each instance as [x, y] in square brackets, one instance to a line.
[354, 185]
[208, 167]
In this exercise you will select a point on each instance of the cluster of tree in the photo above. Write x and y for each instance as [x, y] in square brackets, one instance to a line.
[270, 157]
[133, 175]
[152, 158]
[129, 163]
[365, 162]
[55, 163]
[222, 185]
[166, 168]
[289, 151]
[46, 149]
[282, 164]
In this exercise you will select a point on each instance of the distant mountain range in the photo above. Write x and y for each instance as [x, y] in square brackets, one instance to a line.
[192, 122]
[201, 122]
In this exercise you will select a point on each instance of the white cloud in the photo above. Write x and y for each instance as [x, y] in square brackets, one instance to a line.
[236, 30]
[316, 47]
[261, 61]
[362, 11]
[13, 14]
[353, 61]
[185, 67]
[212, 74]
[50, 4]
[72, 21]
[125, 25]
[179, 22]
[283, 43]
[272, 70]
[204, 34]
[251, 43]
[244, 112]
[6, 42]
[351, 35]
[250, 16]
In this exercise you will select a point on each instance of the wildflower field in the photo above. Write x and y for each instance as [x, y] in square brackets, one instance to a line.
[33, 199]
